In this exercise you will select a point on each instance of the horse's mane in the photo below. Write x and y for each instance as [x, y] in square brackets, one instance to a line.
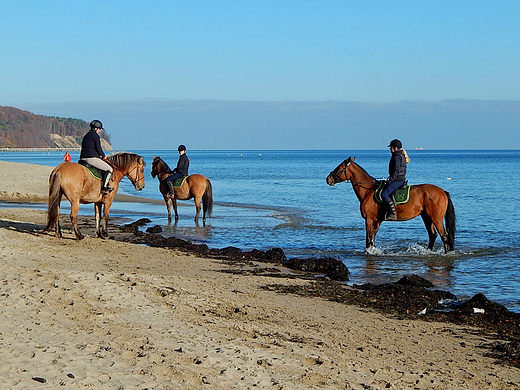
[161, 166]
[124, 159]
[364, 171]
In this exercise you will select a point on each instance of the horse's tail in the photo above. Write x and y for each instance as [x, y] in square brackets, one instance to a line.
[450, 220]
[53, 210]
[207, 199]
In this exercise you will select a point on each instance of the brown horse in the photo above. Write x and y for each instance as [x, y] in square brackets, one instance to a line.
[195, 186]
[432, 203]
[79, 186]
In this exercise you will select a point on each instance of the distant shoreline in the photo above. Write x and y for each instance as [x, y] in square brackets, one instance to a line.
[39, 149]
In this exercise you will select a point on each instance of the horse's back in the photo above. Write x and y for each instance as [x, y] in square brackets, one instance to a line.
[197, 184]
[431, 189]
[429, 194]
[77, 184]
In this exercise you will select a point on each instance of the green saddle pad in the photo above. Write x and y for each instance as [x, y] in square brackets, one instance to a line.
[177, 183]
[401, 195]
[92, 169]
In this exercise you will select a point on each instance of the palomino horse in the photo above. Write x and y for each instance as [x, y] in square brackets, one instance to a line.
[79, 186]
[195, 186]
[432, 203]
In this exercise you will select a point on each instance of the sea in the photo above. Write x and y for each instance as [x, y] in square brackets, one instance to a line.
[279, 198]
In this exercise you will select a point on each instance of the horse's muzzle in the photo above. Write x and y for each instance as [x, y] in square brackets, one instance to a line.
[330, 180]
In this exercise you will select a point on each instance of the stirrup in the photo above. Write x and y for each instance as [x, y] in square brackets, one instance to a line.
[391, 217]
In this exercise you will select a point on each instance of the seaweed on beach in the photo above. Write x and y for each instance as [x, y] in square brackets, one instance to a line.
[412, 297]
[332, 268]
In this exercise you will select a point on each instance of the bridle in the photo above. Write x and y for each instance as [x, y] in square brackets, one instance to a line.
[134, 181]
[336, 176]
[160, 168]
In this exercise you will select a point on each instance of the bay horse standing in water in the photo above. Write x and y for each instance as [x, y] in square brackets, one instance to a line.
[195, 186]
[432, 203]
[76, 183]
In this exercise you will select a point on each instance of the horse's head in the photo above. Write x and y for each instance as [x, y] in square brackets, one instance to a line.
[159, 167]
[340, 173]
[131, 165]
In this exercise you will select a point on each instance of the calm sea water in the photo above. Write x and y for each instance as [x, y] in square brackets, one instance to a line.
[280, 199]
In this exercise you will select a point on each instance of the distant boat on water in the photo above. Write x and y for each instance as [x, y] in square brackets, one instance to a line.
[418, 148]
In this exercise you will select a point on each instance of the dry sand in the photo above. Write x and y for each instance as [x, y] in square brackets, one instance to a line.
[104, 314]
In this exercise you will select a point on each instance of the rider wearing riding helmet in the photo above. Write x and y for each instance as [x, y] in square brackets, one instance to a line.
[396, 178]
[180, 171]
[92, 153]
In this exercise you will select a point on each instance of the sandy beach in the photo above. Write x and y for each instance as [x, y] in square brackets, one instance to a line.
[105, 314]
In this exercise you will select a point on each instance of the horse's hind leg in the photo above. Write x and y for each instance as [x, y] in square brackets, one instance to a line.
[197, 210]
[74, 209]
[174, 205]
[430, 228]
[57, 228]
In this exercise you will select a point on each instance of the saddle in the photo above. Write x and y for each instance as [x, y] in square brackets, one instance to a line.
[177, 183]
[400, 196]
[96, 173]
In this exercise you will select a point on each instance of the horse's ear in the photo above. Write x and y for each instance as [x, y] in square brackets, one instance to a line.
[352, 160]
[153, 157]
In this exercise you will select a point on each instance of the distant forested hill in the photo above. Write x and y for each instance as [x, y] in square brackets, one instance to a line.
[22, 129]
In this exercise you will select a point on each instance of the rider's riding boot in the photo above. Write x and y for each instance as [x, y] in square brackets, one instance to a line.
[170, 188]
[107, 175]
[392, 214]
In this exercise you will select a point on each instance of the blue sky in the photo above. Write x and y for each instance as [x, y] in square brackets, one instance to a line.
[114, 60]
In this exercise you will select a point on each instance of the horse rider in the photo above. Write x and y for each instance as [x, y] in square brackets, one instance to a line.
[396, 178]
[180, 171]
[92, 153]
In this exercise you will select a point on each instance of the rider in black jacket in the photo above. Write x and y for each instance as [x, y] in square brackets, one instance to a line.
[396, 178]
[92, 153]
[180, 171]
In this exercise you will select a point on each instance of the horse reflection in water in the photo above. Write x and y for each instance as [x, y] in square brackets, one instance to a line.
[432, 203]
[196, 187]
[76, 183]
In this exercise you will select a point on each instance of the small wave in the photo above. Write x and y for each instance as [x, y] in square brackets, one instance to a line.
[413, 249]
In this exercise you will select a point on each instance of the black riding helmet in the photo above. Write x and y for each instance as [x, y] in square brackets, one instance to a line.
[396, 143]
[95, 124]
[181, 147]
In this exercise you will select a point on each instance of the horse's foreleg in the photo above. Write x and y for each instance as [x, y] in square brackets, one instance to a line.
[430, 228]
[167, 202]
[371, 227]
[169, 209]
[74, 209]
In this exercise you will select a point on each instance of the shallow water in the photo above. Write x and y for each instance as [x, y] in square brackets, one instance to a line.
[280, 199]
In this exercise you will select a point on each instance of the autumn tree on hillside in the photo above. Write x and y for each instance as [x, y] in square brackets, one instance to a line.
[23, 129]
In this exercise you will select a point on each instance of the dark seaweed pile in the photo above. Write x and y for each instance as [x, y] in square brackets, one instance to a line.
[412, 297]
